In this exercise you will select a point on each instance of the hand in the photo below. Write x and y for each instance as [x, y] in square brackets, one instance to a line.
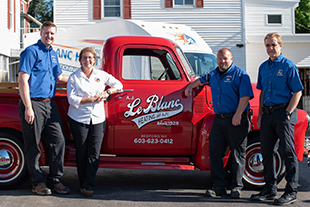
[101, 97]
[236, 120]
[258, 122]
[188, 91]
[29, 115]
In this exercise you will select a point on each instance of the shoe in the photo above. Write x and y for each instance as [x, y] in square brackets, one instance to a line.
[216, 191]
[285, 199]
[41, 189]
[60, 189]
[264, 195]
[87, 192]
[235, 193]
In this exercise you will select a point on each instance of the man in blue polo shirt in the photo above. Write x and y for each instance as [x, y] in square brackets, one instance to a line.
[281, 90]
[39, 71]
[231, 91]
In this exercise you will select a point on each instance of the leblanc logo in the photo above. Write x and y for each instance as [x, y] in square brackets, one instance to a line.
[156, 110]
[228, 79]
[280, 72]
[53, 59]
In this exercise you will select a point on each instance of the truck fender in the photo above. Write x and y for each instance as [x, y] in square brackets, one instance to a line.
[202, 157]
[9, 119]
[300, 131]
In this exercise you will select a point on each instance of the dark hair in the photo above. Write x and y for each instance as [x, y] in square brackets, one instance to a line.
[87, 49]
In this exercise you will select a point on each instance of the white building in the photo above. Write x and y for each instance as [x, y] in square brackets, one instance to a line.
[262, 17]
[218, 22]
[10, 39]
[14, 22]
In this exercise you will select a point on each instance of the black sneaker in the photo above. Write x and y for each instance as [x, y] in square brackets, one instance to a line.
[264, 195]
[216, 191]
[235, 193]
[286, 198]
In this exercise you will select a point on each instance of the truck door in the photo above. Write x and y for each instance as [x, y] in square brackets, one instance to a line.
[152, 115]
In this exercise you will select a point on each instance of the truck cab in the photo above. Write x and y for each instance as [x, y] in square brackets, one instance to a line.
[152, 116]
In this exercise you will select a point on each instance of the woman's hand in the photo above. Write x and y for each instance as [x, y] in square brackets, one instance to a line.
[100, 97]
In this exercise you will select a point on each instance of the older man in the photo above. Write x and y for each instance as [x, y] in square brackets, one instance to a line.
[281, 88]
[231, 91]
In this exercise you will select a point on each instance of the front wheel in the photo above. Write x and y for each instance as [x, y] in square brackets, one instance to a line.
[13, 170]
[253, 176]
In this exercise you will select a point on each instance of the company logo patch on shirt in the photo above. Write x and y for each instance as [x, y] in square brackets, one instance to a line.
[53, 59]
[280, 72]
[97, 79]
[227, 79]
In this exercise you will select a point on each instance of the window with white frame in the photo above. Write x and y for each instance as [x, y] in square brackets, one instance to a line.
[274, 19]
[11, 14]
[184, 2]
[111, 8]
[22, 7]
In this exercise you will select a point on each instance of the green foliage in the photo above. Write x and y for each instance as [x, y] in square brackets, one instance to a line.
[302, 17]
[42, 10]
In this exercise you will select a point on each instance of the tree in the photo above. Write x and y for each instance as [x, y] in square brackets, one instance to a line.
[302, 17]
[42, 10]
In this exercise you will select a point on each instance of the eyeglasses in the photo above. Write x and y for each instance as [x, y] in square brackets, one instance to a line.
[87, 58]
[271, 45]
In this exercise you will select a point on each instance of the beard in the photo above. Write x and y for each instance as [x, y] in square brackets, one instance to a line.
[223, 67]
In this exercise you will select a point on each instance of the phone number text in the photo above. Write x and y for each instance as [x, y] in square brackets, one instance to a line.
[152, 141]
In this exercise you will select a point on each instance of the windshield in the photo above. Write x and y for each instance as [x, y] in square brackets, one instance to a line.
[202, 63]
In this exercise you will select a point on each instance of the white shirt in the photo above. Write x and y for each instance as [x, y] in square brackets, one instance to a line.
[79, 86]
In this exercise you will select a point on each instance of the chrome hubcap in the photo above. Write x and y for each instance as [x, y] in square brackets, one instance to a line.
[6, 159]
[256, 163]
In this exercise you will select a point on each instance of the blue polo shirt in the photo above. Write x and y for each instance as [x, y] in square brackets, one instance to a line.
[41, 63]
[228, 89]
[278, 80]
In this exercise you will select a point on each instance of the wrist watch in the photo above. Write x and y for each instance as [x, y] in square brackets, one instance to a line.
[287, 113]
[108, 91]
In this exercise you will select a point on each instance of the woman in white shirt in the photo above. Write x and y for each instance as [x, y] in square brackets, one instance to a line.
[86, 93]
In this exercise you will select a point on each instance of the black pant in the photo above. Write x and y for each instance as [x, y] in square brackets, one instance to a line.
[48, 126]
[223, 135]
[87, 139]
[276, 129]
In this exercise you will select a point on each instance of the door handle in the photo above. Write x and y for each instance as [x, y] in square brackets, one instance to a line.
[124, 90]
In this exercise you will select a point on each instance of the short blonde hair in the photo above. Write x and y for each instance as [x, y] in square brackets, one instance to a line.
[48, 24]
[272, 35]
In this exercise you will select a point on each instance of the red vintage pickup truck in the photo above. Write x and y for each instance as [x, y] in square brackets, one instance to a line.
[151, 124]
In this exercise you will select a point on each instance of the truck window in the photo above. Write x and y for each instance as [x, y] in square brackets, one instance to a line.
[184, 60]
[149, 64]
[202, 63]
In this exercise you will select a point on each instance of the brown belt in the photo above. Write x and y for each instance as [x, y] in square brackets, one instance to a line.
[41, 99]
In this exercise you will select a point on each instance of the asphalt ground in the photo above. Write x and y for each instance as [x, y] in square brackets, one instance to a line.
[119, 187]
